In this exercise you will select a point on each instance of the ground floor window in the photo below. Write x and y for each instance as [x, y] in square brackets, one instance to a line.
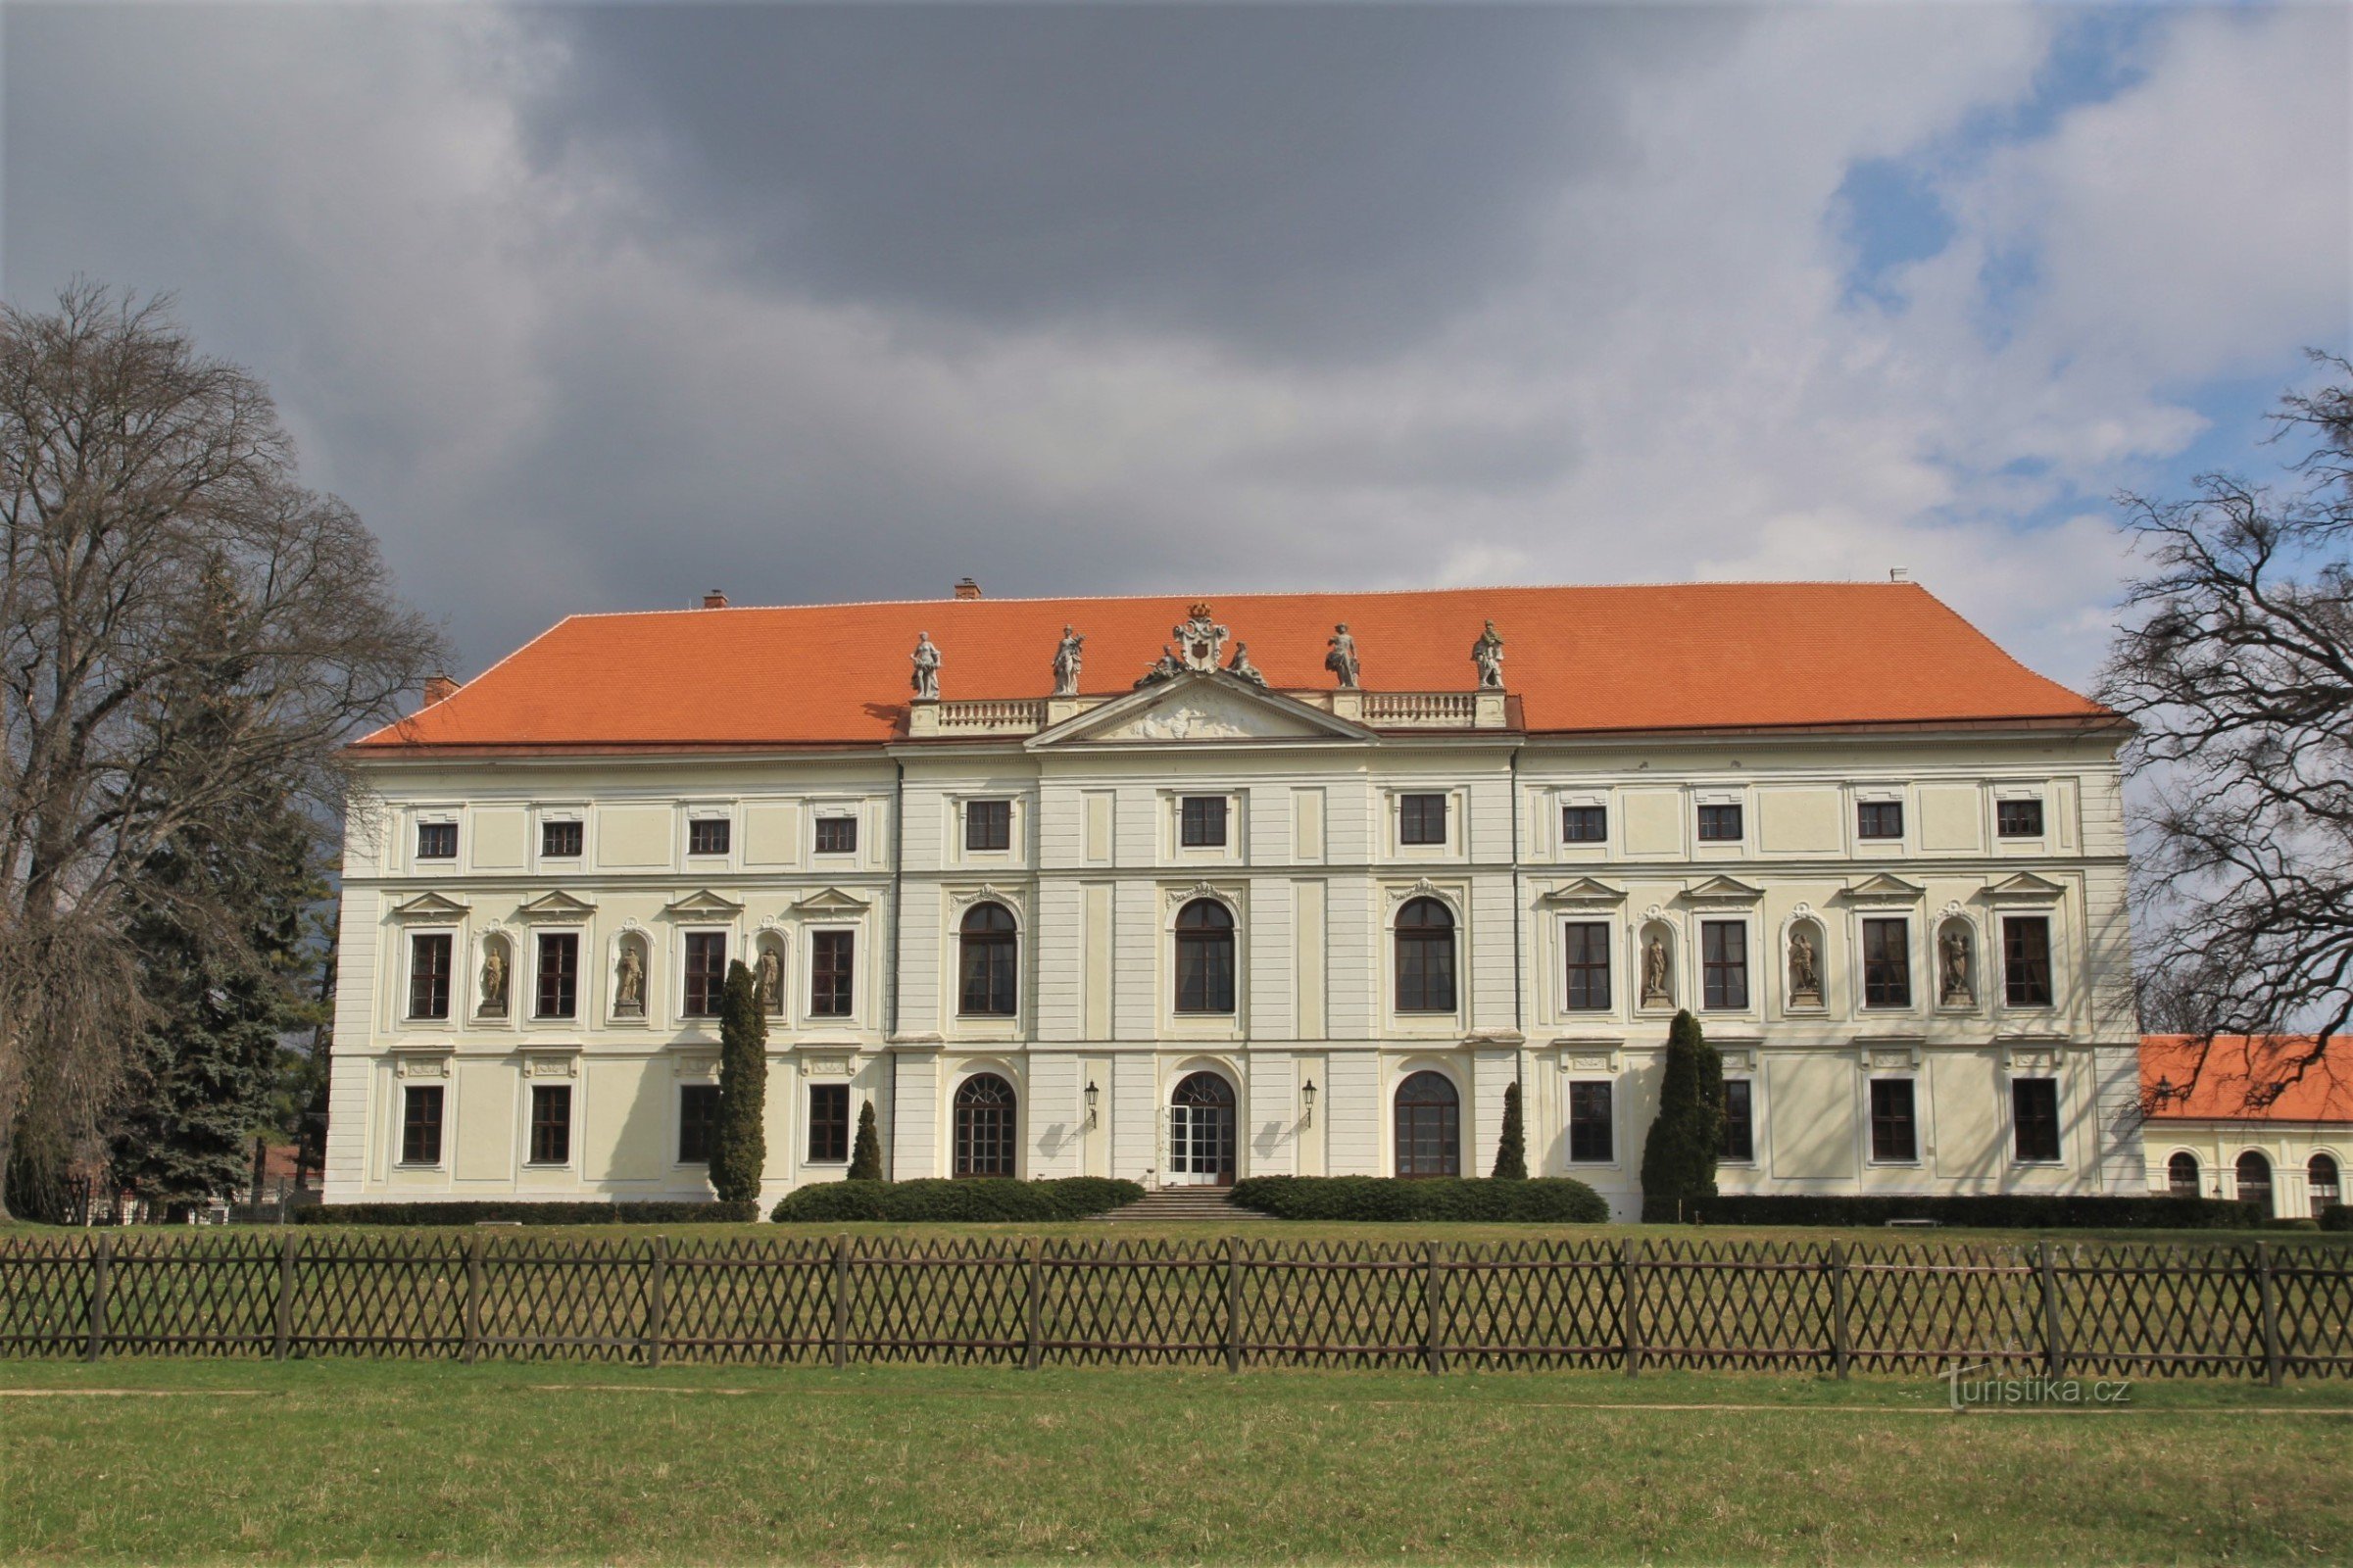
[2182, 1176]
[1428, 1126]
[698, 1117]
[421, 1124]
[1739, 1124]
[2255, 1180]
[551, 1124]
[1590, 1140]
[2034, 1118]
[2321, 1174]
[984, 1126]
[1894, 1134]
[828, 1124]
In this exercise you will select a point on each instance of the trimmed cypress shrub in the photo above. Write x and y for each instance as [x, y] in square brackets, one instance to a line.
[939, 1199]
[739, 1144]
[1511, 1149]
[2002, 1210]
[865, 1160]
[1547, 1201]
[473, 1211]
[1679, 1156]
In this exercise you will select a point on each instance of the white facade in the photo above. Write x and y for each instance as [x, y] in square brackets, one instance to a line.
[1312, 871]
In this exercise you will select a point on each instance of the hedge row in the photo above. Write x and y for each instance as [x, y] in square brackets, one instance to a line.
[939, 1199]
[2336, 1217]
[476, 1213]
[1551, 1200]
[2005, 1212]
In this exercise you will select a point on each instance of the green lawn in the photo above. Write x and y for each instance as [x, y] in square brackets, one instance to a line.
[426, 1461]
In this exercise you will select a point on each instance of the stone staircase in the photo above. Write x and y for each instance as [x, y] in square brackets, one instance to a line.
[1179, 1205]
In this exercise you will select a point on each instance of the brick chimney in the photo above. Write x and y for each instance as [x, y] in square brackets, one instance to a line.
[717, 598]
[966, 588]
[439, 689]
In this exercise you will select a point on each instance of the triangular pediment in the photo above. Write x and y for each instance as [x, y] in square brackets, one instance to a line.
[430, 906]
[1884, 888]
[1722, 889]
[831, 900]
[555, 905]
[1585, 890]
[704, 904]
[2026, 886]
[1211, 706]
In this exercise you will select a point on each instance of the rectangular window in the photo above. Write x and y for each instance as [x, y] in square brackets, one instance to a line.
[1739, 1122]
[1720, 824]
[559, 840]
[429, 975]
[987, 824]
[2027, 960]
[831, 957]
[1724, 964]
[828, 1123]
[1202, 821]
[1894, 1136]
[1590, 1142]
[559, 974]
[421, 1124]
[1583, 824]
[1886, 963]
[436, 841]
[1879, 820]
[698, 1114]
[707, 835]
[706, 973]
[1421, 819]
[1589, 966]
[2034, 1117]
[2018, 819]
[551, 1124]
[837, 835]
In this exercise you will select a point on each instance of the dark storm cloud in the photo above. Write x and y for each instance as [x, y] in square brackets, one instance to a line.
[1306, 179]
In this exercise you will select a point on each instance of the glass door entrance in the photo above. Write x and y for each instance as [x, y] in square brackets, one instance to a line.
[1200, 1133]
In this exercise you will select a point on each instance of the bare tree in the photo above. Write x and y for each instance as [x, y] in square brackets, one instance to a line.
[2238, 663]
[138, 481]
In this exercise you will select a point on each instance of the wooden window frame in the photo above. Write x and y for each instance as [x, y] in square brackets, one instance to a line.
[549, 1130]
[1887, 975]
[1878, 821]
[1595, 817]
[572, 830]
[833, 972]
[556, 991]
[432, 835]
[1710, 822]
[829, 1134]
[704, 988]
[421, 1135]
[695, 1130]
[1596, 936]
[1885, 1123]
[2173, 1175]
[2029, 817]
[985, 1132]
[1406, 1124]
[2029, 1121]
[1739, 1143]
[988, 825]
[1724, 973]
[991, 956]
[709, 837]
[1197, 816]
[836, 834]
[1593, 1122]
[1201, 974]
[1424, 976]
[2027, 979]
[436, 981]
[1413, 819]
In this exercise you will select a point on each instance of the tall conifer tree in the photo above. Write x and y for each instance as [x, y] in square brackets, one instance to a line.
[1679, 1158]
[739, 1144]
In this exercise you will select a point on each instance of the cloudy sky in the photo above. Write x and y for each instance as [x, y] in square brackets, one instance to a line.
[596, 307]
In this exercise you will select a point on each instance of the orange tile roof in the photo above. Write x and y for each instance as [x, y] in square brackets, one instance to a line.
[1698, 656]
[2243, 1078]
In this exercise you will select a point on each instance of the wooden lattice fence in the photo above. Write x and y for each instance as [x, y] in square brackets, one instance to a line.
[2064, 1308]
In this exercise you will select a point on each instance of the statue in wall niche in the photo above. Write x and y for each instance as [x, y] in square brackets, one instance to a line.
[926, 676]
[1954, 987]
[1805, 970]
[770, 976]
[1656, 989]
[494, 980]
[630, 983]
[1341, 660]
[1066, 657]
[1488, 654]
[1242, 668]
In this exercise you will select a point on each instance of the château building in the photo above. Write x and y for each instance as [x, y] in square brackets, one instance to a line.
[1277, 883]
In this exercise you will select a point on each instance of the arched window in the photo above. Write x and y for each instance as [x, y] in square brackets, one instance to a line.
[1204, 958]
[1201, 1131]
[1425, 958]
[988, 964]
[984, 1126]
[2255, 1180]
[2181, 1175]
[1428, 1126]
[2321, 1174]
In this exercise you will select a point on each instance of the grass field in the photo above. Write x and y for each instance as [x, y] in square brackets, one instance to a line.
[177, 1461]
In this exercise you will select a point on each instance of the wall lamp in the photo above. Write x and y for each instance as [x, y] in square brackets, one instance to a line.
[1093, 1095]
[1307, 1103]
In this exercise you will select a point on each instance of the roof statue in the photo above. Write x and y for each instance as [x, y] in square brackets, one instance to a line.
[1488, 654]
[1067, 661]
[1166, 668]
[1242, 668]
[926, 676]
[1341, 660]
